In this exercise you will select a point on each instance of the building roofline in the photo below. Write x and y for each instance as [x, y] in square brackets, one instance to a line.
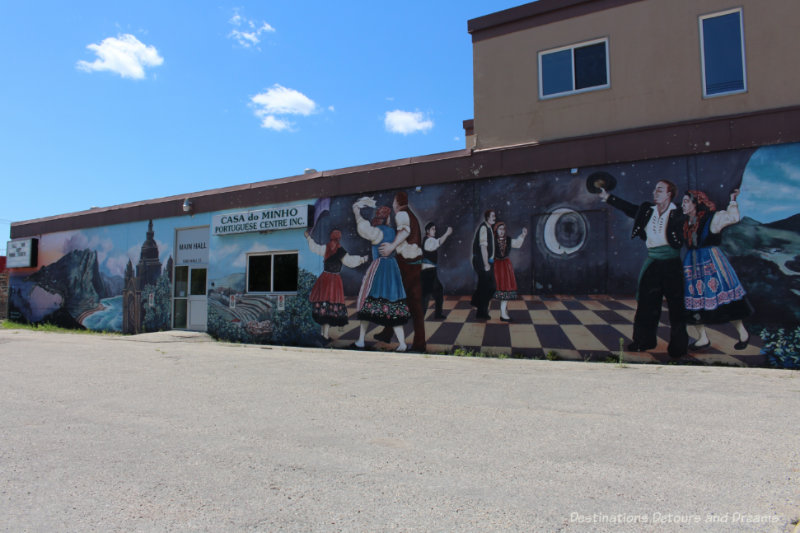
[775, 126]
[535, 14]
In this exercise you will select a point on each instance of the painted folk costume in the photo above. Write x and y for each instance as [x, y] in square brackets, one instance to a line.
[661, 275]
[713, 292]
[504, 278]
[483, 242]
[327, 294]
[381, 299]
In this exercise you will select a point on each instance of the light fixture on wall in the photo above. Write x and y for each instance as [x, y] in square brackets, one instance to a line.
[187, 206]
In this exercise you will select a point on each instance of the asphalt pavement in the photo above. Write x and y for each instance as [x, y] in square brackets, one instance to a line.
[175, 432]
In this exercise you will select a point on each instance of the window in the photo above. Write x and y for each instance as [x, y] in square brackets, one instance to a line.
[275, 272]
[722, 53]
[573, 69]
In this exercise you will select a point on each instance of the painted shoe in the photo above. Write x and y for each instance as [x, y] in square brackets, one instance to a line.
[694, 347]
[636, 347]
[741, 345]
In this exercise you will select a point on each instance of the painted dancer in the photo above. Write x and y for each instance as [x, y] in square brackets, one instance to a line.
[504, 278]
[713, 292]
[431, 286]
[660, 224]
[327, 295]
[483, 263]
[407, 245]
[381, 298]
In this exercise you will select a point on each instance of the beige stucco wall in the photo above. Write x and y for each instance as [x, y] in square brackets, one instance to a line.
[655, 71]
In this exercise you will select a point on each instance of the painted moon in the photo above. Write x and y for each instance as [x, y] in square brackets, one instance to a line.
[564, 231]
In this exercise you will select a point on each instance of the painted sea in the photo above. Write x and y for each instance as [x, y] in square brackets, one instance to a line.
[109, 318]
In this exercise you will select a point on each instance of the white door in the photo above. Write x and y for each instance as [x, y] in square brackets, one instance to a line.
[190, 301]
[198, 299]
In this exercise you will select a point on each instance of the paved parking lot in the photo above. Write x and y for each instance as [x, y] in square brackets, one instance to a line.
[173, 432]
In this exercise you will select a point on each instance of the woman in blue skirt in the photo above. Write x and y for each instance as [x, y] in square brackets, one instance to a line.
[713, 292]
[381, 299]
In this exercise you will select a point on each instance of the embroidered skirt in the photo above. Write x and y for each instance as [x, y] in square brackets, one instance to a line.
[713, 293]
[327, 300]
[505, 280]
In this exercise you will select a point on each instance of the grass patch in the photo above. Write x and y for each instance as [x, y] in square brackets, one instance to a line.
[463, 352]
[552, 355]
[50, 328]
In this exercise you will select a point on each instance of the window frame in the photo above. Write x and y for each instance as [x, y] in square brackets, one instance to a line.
[572, 47]
[700, 21]
[272, 256]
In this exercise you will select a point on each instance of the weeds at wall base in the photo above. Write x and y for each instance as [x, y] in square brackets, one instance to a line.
[50, 328]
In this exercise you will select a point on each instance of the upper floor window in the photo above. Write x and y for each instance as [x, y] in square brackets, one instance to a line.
[272, 272]
[722, 53]
[573, 69]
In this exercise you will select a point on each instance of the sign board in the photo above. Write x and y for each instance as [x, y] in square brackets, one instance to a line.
[277, 218]
[281, 302]
[192, 247]
[22, 253]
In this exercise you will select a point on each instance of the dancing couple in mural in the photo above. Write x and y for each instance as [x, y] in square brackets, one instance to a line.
[382, 297]
[700, 289]
[490, 260]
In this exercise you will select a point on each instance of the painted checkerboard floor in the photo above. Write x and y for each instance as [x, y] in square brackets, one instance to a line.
[574, 327]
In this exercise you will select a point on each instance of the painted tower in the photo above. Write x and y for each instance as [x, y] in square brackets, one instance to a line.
[147, 272]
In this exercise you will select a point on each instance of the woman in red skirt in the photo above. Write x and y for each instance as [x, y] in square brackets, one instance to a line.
[327, 294]
[503, 269]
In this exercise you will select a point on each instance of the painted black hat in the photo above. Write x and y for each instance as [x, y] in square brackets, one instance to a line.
[600, 180]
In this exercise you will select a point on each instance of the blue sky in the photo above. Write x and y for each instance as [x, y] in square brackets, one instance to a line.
[105, 103]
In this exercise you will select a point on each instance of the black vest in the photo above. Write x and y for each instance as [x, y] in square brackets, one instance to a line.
[477, 259]
[431, 257]
[333, 264]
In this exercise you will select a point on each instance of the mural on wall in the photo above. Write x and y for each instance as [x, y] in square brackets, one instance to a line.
[88, 281]
[578, 245]
[524, 263]
[236, 315]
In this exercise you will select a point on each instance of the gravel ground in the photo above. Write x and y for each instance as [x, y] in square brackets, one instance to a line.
[174, 432]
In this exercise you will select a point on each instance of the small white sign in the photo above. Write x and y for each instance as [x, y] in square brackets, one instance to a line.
[281, 302]
[192, 247]
[21, 254]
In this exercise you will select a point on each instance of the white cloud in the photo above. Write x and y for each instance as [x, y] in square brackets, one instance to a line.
[80, 241]
[124, 55]
[406, 122]
[116, 264]
[250, 33]
[271, 122]
[279, 100]
[283, 101]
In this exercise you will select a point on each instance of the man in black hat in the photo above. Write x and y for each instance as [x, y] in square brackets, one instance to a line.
[659, 224]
